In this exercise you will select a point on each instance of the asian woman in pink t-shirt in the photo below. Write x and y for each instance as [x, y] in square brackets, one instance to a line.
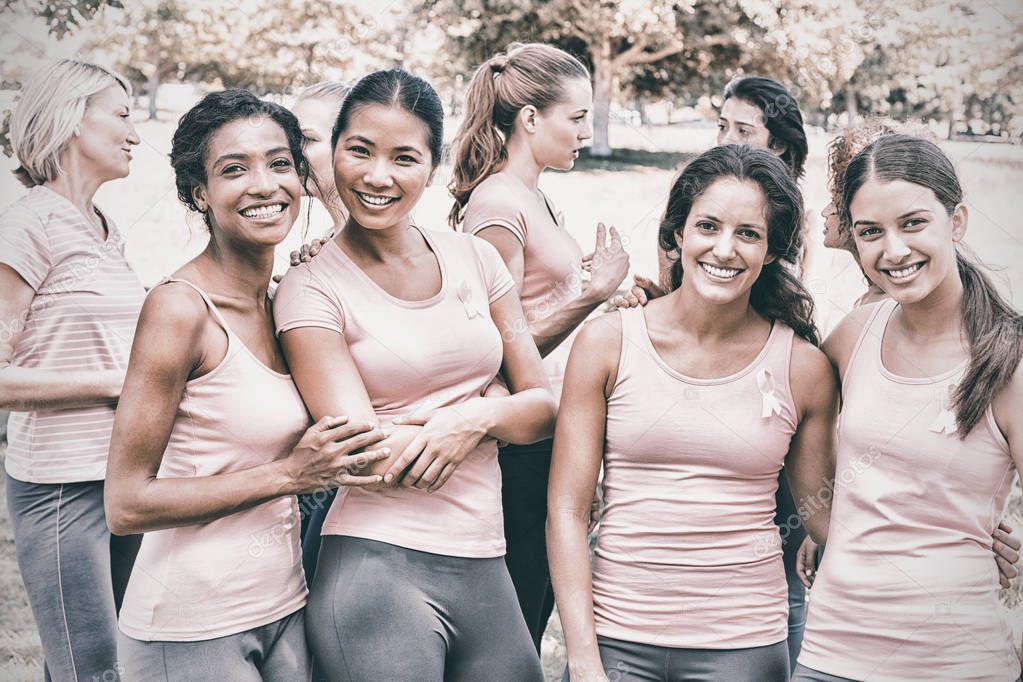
[397, 323]
[528, 110]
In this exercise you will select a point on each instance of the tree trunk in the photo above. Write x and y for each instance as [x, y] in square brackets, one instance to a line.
[639, 104]
[603, 80]
[152, 85]
[153, 82]
[851, 107]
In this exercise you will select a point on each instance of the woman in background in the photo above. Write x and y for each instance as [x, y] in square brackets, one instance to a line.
[69, 307]
[528, 110]
[316, 109]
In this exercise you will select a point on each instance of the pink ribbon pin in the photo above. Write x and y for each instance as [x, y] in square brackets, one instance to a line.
[768, 390]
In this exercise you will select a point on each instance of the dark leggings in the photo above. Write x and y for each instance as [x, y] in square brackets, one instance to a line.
[790, 526]
[75, 573]
[524, 473]
[633, 662]
[313, 508]
[382, 612]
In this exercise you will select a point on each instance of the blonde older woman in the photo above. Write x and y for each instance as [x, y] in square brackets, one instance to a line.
[68, 307]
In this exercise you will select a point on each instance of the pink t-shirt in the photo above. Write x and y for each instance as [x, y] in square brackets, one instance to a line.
[688, 554]
[243, 570]
[82, 318]
[908, 588]
[414, 355]
[552, 259]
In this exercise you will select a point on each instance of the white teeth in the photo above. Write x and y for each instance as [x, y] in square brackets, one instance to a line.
[263, 211]
[902, 273]
[723, 273]
[374, 200]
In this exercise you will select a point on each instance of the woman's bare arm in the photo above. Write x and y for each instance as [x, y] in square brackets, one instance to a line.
[810, 463]
[169, 345]
[609, 266]
[575, 468]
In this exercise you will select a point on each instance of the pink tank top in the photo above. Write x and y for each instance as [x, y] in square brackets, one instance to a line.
[688, 555]
[908, 588]
[244, 570]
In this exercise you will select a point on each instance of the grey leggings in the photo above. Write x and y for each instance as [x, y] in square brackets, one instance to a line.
[275, 652]
[75, 573]
[804, 674]
[632, 662]
[381, 612]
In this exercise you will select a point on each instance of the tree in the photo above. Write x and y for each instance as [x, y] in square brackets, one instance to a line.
[609, 35]
[265, 45]
[62, 16]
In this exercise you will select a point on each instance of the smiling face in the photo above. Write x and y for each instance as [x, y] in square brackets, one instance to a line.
[723, 244]
[382, 164]
[741, 122]
[107, 134]
[252, 190]
[562, 129]
[905, 238]
[317, 115]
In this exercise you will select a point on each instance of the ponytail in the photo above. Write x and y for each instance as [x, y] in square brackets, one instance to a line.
[993, 327]
[478, 148]
[533, 74]
[995, 333]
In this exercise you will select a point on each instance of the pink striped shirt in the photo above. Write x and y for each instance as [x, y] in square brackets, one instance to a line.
[82, 318]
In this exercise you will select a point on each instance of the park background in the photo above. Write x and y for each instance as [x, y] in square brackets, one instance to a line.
[659, 68]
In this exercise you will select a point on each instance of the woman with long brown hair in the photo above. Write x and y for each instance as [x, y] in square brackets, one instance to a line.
[932, 396]
[692, 406]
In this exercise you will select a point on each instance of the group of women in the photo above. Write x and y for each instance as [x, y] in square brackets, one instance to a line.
[169, 450]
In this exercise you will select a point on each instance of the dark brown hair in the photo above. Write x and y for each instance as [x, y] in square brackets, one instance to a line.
[777, 294]
[994, 328]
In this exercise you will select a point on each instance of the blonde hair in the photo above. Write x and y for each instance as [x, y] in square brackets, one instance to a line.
[849, 142]
[325, 90]
[49, 113]
[333, 91]
[531, 74]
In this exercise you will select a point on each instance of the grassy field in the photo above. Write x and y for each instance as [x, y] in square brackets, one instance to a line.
[628, 191]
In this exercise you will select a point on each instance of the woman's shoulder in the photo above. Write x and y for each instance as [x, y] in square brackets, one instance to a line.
[174, 304]
[498, 191]
[30, 208]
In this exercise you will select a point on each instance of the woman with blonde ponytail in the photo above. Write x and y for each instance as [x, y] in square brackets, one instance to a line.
[528, 110]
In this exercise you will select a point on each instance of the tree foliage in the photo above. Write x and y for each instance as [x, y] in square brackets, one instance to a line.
[61, 16]
[265, 45]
